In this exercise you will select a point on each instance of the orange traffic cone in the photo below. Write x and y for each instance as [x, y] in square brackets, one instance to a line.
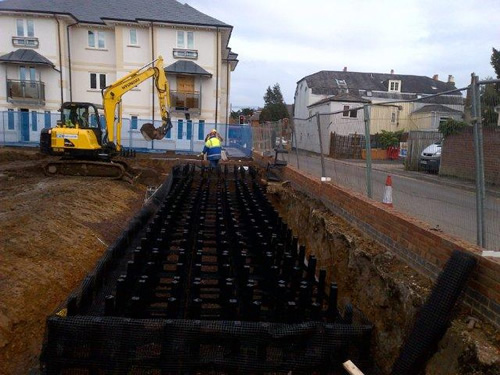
[388, 192]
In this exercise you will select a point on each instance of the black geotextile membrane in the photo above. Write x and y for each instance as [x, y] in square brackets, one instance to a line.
[208, 278]
[433, 319]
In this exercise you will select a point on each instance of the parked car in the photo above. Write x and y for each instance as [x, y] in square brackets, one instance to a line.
[430, 158]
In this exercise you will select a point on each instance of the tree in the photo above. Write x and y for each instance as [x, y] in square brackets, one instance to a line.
[490, 94]
[275, 107]
[490, 98]
[495, 61]
[244, 111]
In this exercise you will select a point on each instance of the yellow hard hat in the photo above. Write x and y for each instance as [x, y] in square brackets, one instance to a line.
[213, 131]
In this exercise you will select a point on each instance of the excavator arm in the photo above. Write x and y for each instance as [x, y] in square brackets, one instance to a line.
[112, 98]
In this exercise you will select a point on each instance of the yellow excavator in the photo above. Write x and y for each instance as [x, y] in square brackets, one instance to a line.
[79, 138]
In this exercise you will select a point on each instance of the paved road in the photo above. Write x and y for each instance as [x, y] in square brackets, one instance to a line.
[444, 204]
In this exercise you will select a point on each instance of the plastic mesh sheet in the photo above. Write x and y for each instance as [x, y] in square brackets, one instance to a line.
[208, 278]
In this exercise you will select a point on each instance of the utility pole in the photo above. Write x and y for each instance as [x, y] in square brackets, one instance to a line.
[368, 148]
[479, 157]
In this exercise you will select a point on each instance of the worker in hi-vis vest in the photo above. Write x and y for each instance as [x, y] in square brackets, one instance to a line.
[213, 148]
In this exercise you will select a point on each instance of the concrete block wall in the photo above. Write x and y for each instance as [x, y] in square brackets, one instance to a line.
[413, 241]
[457, 158]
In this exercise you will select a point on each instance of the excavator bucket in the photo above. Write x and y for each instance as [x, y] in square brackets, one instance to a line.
[149, 132]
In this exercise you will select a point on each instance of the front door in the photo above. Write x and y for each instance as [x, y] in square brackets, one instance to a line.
[184, 141]
[25, 125]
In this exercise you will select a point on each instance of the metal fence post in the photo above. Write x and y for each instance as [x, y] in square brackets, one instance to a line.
[294, 138]
[478, 153]
[368, 148]
[323, 174]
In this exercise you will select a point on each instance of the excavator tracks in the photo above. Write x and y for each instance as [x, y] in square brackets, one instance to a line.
[116, 170]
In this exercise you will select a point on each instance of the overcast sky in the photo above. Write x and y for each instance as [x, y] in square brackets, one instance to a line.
[282, 41]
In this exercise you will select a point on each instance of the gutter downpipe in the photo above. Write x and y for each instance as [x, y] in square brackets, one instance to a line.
[227, 99]
[60, 58]
[152, 64]
[217, 81]
[153, 86]
[69, 61]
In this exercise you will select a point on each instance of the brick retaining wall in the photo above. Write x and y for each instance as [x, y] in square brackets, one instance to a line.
[457, 158]
[413, 241]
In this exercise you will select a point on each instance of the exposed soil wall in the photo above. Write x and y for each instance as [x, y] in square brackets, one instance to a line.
[384, 287]
[422, 248]
[53, 230]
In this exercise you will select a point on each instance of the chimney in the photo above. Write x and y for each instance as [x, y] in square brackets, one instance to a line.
[451, 79]
[435, 77]
[345, 68]
[392, 71]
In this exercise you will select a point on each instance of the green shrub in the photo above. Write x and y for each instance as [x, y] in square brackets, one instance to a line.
[451, 126]
[388, 138]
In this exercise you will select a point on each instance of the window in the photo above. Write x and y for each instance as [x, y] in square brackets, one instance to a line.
[47, 122]
[93, 80]
[393, 117]
[341, 83]
[369, 93]
[179, 129]
[27, 73]
[25, 28]
[25, 34]
[34, 120]
[201, 130]
[395, 86]
[185, 39]
[133, 122]
[133, 37]
[347, 113]
[189, 129]
[96, 39]
[10, 119]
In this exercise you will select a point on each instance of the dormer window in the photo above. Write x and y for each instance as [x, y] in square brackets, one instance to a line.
[341, 83]
[394, 86]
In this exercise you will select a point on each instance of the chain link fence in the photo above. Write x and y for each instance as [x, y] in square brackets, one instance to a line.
[450, 181]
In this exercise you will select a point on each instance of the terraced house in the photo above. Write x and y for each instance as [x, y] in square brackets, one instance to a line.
[55, 51]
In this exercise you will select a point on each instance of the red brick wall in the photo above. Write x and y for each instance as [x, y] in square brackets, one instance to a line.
[458, 160]
[423, 249]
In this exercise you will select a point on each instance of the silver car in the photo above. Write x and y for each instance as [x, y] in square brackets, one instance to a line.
[430, 158]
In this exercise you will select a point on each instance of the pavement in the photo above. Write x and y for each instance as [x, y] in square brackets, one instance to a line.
[396, 167]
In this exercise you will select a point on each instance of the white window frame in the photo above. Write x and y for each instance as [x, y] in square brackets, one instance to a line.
[185, 39]
[130, 42]
[98, 36]
[394, 86]
[97, 81]
[25, 22]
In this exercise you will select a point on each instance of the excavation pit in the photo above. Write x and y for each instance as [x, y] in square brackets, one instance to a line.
[208, 277]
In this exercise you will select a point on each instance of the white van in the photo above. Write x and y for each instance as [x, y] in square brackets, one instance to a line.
[430, 158]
